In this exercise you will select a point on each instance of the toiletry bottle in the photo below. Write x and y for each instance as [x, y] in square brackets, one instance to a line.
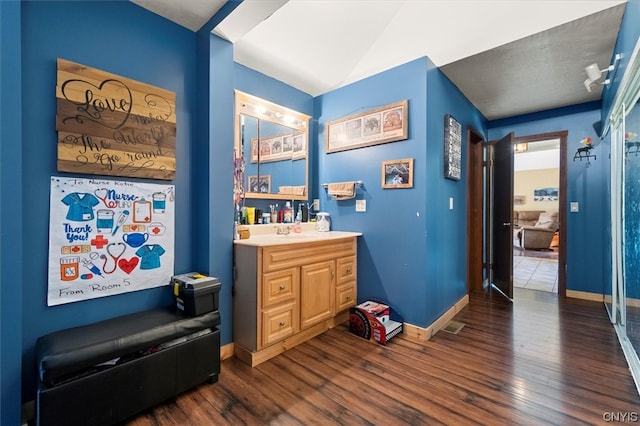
[288, 213]
[297, 227]
[305, 212]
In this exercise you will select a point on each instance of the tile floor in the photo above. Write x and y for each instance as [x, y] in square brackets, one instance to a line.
[535, 274]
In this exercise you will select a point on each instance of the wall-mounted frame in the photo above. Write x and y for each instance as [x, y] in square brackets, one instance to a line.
[376, 126]
[397, 173]
[452, 148]
[259, 184]
[518, 200]
[545, 194]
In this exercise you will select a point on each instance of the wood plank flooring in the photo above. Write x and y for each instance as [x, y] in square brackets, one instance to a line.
[538, 361]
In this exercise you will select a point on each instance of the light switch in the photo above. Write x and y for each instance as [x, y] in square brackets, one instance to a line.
[574, 207]
[316, 204]
[450, 203]
[361, 205]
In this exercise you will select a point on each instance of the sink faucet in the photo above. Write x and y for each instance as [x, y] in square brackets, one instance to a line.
[283, 230]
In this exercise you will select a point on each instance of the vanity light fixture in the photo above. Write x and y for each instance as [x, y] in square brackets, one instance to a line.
[261, 110]
[594, 73]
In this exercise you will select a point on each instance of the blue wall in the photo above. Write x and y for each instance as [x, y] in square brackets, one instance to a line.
[588, 231]
[124, 39]
[413, 247]
[10, 213]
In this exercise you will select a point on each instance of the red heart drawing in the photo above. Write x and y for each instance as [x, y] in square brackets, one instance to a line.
[128, 265]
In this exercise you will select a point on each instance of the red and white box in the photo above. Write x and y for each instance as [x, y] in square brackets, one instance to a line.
[374, 321]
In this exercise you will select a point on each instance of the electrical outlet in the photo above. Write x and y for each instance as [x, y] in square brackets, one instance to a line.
[361, 205]
[316, 204]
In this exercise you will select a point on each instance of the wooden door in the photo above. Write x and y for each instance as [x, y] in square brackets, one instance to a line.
[317, 292]
[501, 215]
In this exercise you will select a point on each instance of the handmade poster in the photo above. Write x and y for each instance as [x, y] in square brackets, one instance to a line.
[108, 237]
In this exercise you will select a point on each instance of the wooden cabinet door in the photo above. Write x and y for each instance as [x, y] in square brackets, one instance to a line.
[317, 293]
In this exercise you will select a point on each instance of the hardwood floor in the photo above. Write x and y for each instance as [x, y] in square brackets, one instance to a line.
[538, 361]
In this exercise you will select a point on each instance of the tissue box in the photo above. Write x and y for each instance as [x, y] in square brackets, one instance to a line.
[374, 321]
[196, 293]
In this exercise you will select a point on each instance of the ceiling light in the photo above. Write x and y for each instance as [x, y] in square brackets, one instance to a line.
[521, 147]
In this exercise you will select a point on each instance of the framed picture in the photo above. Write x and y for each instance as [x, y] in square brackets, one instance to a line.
[518, 200]
[397, 173]
[372, 127]
[452, 148]
[279, 148]
[545, 194]
[260, 184]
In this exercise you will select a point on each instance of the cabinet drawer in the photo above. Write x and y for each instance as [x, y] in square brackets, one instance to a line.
[346, 269]
[345, 296]
[279, 323]
[288, 256]
[279, 287]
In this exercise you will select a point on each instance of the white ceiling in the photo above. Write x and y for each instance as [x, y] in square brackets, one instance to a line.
[507, 57]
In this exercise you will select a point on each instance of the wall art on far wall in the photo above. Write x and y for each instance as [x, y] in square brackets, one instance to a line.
[397, 173]
[545, 194]
[518, 200]
[452, 148]
[380, 125]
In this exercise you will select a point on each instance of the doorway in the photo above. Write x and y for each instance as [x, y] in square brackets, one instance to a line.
[536, 177]
[481, 202]
[543, 139]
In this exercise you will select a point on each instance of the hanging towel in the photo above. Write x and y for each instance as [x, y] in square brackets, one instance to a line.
[292, 190]
[342, 190]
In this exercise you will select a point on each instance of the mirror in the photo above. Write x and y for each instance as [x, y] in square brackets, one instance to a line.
[274, 143]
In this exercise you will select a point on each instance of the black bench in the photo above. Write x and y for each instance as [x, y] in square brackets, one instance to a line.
[103, 373]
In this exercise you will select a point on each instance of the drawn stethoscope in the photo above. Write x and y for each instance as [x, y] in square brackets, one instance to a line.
[115, 250]
[102, 195]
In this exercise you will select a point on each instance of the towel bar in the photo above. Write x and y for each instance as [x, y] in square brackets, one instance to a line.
[357, 182]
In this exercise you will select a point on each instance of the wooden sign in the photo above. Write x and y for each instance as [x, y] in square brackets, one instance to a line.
[111, 125]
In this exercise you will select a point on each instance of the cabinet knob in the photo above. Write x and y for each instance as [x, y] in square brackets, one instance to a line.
[282, 323]
[282, 288]
[348, 270]
[348, 297]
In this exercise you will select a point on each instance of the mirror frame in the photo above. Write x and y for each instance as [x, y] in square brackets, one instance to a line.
[251, 105]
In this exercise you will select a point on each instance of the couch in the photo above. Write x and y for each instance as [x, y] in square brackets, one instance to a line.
[536, 234]
[526, 217]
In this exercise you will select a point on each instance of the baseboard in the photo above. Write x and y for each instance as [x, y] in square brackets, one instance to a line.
[226, 351]
[425, 333]
[584, 295]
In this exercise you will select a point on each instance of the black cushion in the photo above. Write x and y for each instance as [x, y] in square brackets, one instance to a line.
[75, 349]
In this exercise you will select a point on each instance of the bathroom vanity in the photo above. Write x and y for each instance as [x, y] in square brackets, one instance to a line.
[290, 288]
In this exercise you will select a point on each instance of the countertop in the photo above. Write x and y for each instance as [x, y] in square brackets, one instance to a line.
[272, 239]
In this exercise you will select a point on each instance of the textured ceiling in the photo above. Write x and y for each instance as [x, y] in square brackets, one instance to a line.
[508, 57]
